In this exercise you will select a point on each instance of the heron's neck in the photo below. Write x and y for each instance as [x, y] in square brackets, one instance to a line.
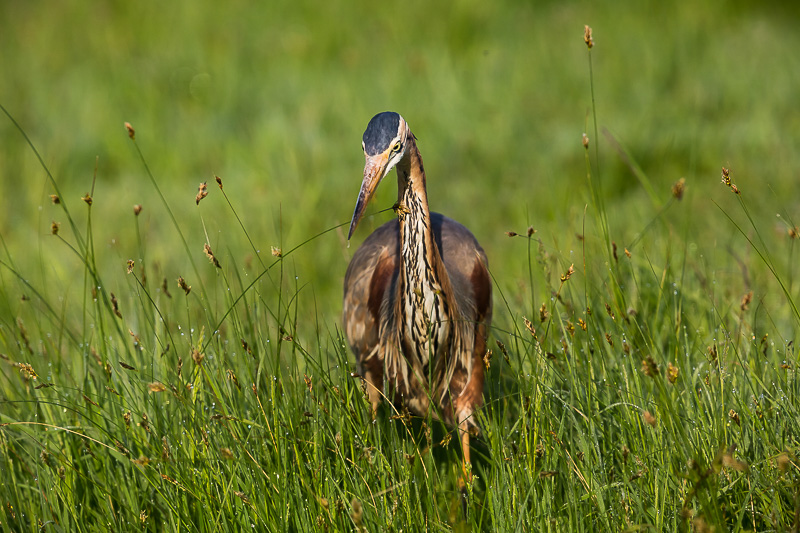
[424, 283]
[416, 236]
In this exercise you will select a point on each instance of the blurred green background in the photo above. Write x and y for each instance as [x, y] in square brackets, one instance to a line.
[274, 96]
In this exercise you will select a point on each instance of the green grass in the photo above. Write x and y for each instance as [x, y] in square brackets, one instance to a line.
[652, 390]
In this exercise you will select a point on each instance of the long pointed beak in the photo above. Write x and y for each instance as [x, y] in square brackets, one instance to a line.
[374, 171]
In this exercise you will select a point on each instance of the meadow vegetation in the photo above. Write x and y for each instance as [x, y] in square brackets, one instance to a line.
[172, 356]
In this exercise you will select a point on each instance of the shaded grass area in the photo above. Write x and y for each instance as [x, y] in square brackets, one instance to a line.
[652, 387]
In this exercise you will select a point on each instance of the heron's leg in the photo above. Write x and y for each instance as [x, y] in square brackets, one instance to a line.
[373, 392]
[466, 466]
[372, 367]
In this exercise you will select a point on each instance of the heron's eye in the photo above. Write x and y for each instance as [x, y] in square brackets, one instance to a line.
[397, 146]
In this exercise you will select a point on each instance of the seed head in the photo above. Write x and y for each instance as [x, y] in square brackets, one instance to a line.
[678, 188]
[156, 387]
[54, 227]
[115, 305]
[185, 286]
[543, 314]
[27, 371]
[137, 209]
[649, 419]
[528, 326]
[783, 462]
[735, 417]
[276, 252]
[726, 177]
[746, 299]
[672, 373]
[164, 288]
[219, 181]
[210, 255]
[197, 357]
[55, 199]
[511, 233]
[87, 198]
[566, 275]
[202, 192]
[130, 266]
[587, 37]
[131, 132]
[226, 453]
[649, 367]
[585, 141]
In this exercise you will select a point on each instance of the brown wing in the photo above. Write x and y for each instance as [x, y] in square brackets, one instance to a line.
[468, 270]
[368, 277]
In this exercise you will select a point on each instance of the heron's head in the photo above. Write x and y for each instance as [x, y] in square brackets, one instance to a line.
[384, 144]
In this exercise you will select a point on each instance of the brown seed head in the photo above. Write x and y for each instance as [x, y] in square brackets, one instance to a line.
[784, 462]
[672, 373]
[276, 252]
[197, 357]
[156, 387]
[735, 417]
[232, 377]
[115, 305]
[649, 419]
[210, 255]
[609, 340]
[531, 231]
[54, 227]
[568, 274]
[165, 289]
[137, 209]
[585, 141]
[726, 176]
[746, 299]
[627, 253]
[219, 181]
[130, 266]
[27, 371]
[543, 314]
[131, 132]
[649, 367]
[487, 358]
[729, 461]
[55, 199]
[87, 198]
[529, 327]
[794, 232]
[511, 233]
[582, 324]
[202, 192]
[185, 286]
[587, 37]
[678, 188]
